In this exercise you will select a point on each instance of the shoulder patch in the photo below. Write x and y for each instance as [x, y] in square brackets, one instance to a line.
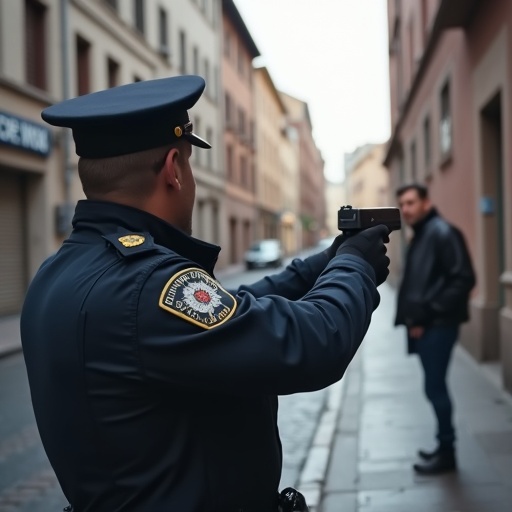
[131, 240]
[194, 296]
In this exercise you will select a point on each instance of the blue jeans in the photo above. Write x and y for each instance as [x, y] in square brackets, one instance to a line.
[435, 349]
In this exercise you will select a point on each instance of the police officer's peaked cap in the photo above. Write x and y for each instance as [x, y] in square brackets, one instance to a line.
[130, 118]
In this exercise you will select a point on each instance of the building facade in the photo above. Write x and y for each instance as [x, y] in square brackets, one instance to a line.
[54, 49]
[270, 123]
[263, 177]
[451, 87]
[366, 178]
[239, 50]
[290, 225]
[311, 172]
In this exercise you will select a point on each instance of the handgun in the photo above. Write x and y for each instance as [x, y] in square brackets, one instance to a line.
[351, 220]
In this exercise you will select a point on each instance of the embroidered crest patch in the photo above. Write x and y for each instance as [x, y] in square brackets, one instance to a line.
[194, 296]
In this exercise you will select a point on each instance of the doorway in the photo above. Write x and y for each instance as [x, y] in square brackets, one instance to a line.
[13, 230]
[493, 235]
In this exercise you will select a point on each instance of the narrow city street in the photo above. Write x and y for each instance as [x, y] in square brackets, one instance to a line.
[27, 482]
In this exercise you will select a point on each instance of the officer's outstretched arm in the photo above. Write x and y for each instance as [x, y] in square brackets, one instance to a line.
[190, 332]
[293, 282]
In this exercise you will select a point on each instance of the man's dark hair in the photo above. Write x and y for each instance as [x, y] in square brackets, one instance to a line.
[131, 174]
[421, 190]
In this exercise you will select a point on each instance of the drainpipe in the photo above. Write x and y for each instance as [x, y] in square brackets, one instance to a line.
[65, 210]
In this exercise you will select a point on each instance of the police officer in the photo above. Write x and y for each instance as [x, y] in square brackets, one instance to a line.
[155, 388]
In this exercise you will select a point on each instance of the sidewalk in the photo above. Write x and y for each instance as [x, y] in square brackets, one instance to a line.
[384, 419]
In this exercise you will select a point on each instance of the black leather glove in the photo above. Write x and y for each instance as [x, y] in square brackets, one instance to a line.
[331, 251]
[291, 500]
[369, 245]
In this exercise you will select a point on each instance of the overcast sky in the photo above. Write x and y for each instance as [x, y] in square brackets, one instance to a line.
[334, 55]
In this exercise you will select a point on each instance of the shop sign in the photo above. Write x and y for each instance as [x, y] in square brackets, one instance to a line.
[24, 134]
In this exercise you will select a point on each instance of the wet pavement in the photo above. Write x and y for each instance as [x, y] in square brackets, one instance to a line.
[385, 418]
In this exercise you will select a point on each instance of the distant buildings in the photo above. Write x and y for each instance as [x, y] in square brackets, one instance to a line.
[311, 175]
[241, 208]
[366, 178]
[335, 198]
[263, 177]
[450, 95]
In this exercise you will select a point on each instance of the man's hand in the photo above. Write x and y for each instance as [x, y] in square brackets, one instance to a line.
[369, 245]
[416, 332]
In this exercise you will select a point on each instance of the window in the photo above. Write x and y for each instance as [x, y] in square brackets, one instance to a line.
[241, 122]
[427, 143]
[252, 138]
[183, 53]
[214, 87]
[413, 162]
[195, 58]
[164, 34]
[241, 62]
[197, 129]
[252, 183]
[227, 44]
[424, 20]
[35, 44]
[139, 15]
[112, 72]
[229, 162]
[244, 171]
[207, 77]
[445, 127]
[209, 154]
[83, 79]
[228, 108]
[411, 51]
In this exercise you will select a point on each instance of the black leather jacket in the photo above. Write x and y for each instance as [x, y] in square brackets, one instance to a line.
[438, 276]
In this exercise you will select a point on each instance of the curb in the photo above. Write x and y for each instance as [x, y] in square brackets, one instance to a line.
[314, 471]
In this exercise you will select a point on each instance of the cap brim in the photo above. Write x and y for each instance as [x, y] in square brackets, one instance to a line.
[197, 141]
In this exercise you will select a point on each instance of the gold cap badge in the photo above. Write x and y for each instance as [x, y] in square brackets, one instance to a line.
[132, 240]
[178, 131]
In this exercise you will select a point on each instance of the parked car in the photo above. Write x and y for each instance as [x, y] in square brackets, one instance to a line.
[264, 253]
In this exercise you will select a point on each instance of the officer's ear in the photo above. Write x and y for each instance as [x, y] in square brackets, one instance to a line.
[172, 170]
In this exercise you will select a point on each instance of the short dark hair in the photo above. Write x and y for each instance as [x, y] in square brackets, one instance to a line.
[131, 174]
[421, 190]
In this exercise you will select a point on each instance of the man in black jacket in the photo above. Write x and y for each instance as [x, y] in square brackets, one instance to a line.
[432, 303]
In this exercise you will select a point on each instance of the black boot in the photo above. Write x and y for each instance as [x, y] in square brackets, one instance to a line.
[423, 454]
[443, 462]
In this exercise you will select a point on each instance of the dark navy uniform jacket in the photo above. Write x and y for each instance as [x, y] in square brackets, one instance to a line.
[155, 389]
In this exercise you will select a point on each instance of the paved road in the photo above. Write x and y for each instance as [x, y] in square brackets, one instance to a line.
[27, 482]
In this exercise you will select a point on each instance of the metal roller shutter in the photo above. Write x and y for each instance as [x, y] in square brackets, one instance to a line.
[12, 243]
